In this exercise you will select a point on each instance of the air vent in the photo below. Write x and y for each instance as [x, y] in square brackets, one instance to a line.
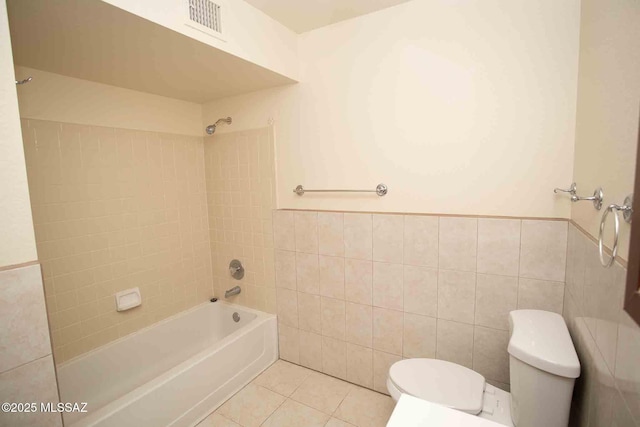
[207, 16]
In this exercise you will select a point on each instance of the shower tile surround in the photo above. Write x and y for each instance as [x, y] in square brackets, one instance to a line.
[606, 338]
[357, 292]
[240, 171]
[115, 209]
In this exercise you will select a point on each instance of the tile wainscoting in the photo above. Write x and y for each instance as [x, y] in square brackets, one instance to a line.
[606, 338]
[357, 292]
[27, 372]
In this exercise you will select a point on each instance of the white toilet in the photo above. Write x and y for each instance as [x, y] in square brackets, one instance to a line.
[543, 367]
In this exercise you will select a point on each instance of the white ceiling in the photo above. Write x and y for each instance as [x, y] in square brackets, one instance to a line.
[305, 15]
[95, 41]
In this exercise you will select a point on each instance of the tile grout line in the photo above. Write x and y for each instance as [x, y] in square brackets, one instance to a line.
[475, 296]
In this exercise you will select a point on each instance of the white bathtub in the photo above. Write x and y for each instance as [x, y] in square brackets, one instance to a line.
[173, 373]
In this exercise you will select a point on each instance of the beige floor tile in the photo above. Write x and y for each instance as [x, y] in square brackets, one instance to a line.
[365, 408]
[216, 420]
[334, 422]
[294, 414]
[322, 392]
[282, 377]
[251, 406]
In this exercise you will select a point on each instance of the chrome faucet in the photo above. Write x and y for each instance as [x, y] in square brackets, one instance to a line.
[233, 291]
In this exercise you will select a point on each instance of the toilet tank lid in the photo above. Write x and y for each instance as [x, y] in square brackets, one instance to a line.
[541, 339]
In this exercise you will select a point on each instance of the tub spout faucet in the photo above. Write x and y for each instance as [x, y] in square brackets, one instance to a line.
[231, 292]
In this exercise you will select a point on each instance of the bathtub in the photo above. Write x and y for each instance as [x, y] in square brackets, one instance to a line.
[173, 373]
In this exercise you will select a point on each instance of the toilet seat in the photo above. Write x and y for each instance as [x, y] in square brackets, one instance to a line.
[441, 382]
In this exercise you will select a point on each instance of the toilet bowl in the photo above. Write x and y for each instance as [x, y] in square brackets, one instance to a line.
[543, 367]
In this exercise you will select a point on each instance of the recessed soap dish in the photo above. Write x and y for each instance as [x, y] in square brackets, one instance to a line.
[128, 299]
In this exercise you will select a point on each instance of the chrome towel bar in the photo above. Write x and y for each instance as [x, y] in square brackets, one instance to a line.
[380, 190]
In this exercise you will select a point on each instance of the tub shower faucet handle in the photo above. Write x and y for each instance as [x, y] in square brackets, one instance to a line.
[236, 269]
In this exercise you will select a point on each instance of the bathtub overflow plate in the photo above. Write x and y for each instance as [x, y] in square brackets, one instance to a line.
[236, 317]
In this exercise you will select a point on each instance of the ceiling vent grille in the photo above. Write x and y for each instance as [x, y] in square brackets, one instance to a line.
[207, 15]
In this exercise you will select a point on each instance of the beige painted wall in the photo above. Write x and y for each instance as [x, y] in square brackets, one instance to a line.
[65, 99]
[607, 111]
[18, 242]
[456, 108]
[249, 33]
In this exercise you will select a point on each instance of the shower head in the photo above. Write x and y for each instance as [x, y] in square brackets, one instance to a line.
[212, 128]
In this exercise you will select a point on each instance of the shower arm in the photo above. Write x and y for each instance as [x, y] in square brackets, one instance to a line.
[212, 128]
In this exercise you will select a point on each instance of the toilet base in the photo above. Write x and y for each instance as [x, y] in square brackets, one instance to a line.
[496, 403]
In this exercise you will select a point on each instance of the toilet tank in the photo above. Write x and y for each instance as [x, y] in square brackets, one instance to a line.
[543, 367]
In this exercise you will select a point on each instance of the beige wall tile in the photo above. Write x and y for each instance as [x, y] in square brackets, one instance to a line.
[309, 313]
[360, 365]
[358, 281]
[131, 209]
[490, 356]
[359, 324]
[333, 318]
[334, 357]
[387, 285]
[540, 295]
[458, 242]
[627, 374]
[388, 238]
[496, 296]
[32, 382]
[306, 226]
[289, 343]
[421, 240]
[420, 286]
[543, 250]
[419, 336]
[358, 236]
[456, 296]
[307, 273]
[331, 233]
[455, 342]
[287, 307]
[332, 276]
[283, 230]
[311, 350]
[285, 265]
[576, 271]
[387, 330]
[381, 363]
[25, 331]
[499, 246]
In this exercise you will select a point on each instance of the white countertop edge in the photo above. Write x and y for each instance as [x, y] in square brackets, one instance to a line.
[413, 412]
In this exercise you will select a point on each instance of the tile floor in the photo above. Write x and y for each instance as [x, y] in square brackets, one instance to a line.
[288, 395]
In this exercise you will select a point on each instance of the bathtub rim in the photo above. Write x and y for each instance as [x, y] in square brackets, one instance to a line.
[260, 316]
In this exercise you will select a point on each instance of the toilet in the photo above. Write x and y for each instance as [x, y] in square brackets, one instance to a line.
[543, 366]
